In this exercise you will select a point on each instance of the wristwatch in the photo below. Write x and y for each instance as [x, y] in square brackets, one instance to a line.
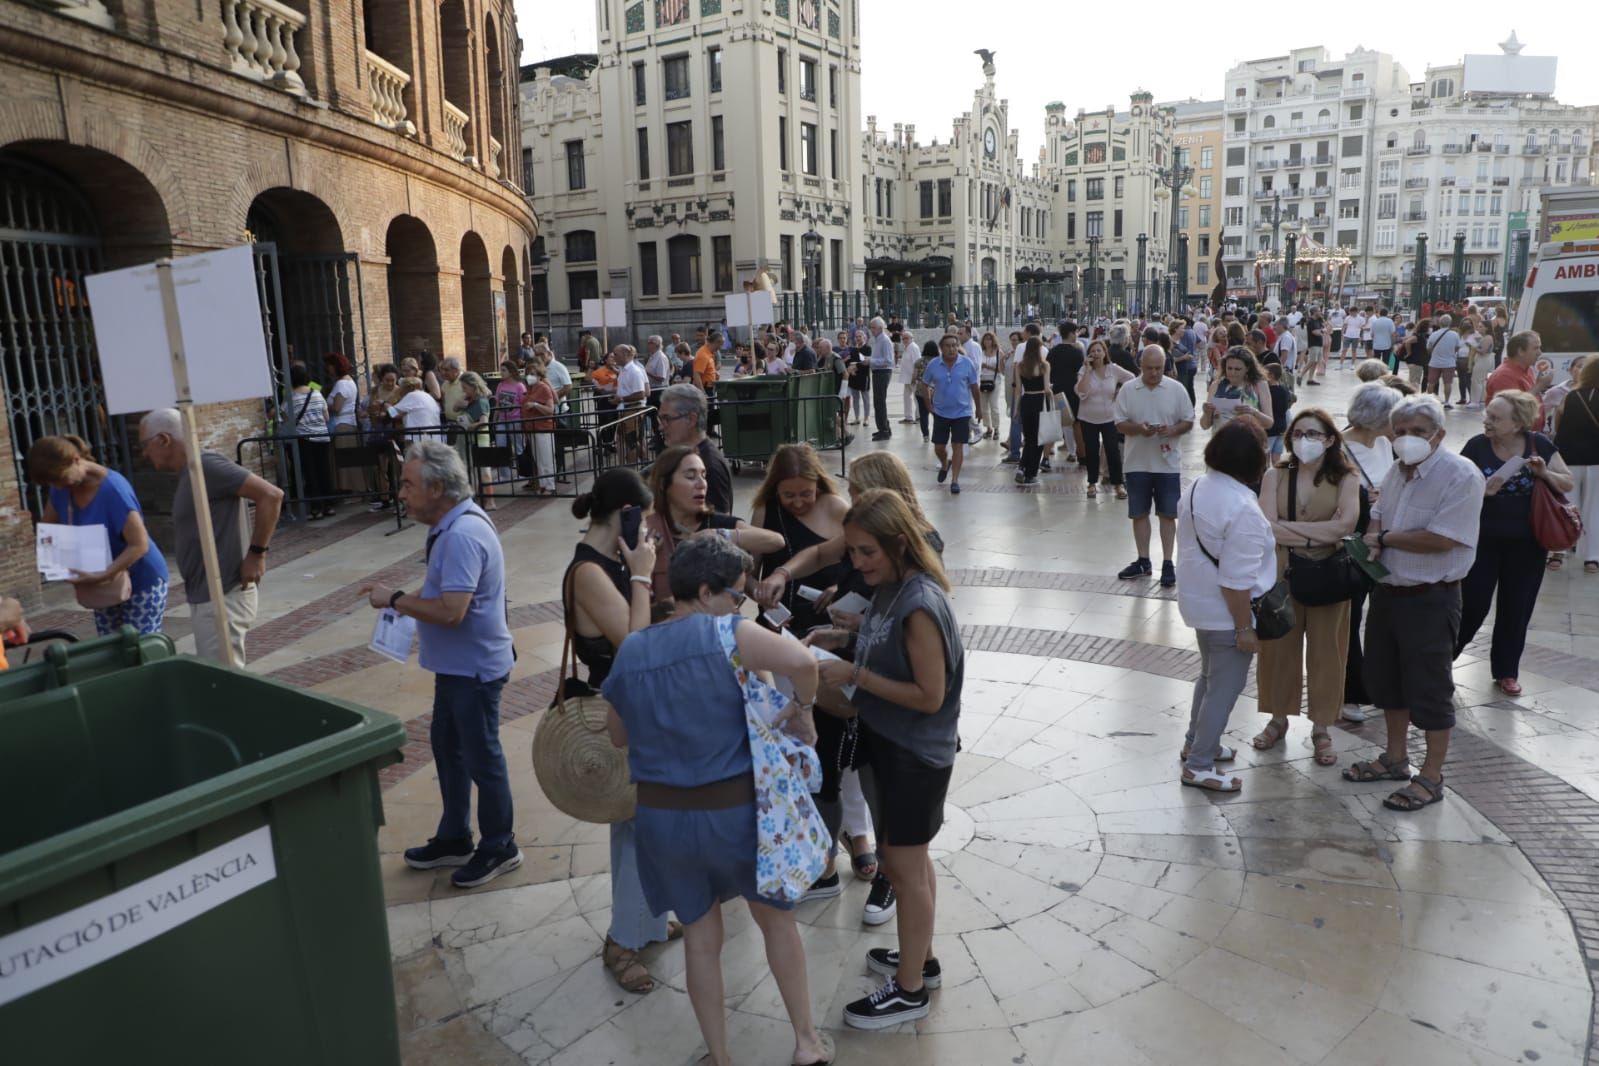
[1382, 538]
[395, 598]
[259, 549]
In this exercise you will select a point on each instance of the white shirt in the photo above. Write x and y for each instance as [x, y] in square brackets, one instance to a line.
[630, 379]
[658, 368]
[1222, 514]
[1335, 318]
[1287, 348]
[1166, 404]
[1381, 331]
[974, 352]
[421, 411]
[1357, 322]
[1374, 462]
[1443, 497]
[907, 358]
[345, 416]
[560, 378]
[1294, 318]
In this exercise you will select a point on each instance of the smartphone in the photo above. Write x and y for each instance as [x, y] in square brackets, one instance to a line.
[777, 615]
[632, 519]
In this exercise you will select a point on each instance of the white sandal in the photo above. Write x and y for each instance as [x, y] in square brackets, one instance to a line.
[1211, 780]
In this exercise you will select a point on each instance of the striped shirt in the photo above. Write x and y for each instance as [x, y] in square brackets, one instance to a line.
[1443, 495]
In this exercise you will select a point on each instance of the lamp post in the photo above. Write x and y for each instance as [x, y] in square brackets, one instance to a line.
[1276, 230]
[1290, 284]
[1143, 241]
[541, 261]
[1175, 177]
[1418, 283]
[1093, 275]
[1458, 287]
[811, 252]
[1182, 272]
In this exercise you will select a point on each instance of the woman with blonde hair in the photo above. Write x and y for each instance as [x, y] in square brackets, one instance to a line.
[988, 384]
[906, 677]
[84, 493]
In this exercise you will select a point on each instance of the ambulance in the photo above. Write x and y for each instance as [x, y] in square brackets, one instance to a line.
[1561, 299]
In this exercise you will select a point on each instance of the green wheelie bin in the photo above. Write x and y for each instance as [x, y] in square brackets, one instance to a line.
[755, 417]
[189, 872]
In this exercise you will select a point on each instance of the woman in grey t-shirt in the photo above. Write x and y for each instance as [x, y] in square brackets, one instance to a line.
[906, 682]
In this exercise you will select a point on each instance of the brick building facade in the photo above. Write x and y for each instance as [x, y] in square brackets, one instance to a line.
[366, 150]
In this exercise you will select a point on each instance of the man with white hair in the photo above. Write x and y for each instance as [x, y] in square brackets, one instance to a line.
[1424, 528]
[241, 556]
[465, 642]
[882, 376]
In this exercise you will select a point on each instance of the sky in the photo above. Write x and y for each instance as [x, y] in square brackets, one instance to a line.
[921, 70]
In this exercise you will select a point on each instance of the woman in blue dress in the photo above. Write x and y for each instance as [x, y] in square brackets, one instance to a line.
[84, 493]
[679, 711]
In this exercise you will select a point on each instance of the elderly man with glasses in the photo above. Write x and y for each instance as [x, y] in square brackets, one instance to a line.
[682, 416]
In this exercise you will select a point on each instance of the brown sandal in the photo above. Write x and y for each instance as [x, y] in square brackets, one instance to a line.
[1271, 736]
[625, 966]
[1323, 746]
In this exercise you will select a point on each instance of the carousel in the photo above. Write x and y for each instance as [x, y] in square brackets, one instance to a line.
[1303, 269]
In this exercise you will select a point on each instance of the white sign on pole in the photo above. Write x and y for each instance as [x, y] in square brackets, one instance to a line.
[603, 314]
[220, 313]
[71, 942]
[750, 308]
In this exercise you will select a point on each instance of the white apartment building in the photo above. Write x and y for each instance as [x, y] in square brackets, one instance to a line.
[697, 146]
[1466, 152]
[1298, 153]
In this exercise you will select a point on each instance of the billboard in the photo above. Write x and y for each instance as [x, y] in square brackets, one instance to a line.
[1511, 75]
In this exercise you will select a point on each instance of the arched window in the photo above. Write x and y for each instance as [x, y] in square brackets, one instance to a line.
[1419, 139]
[1443, 87]
[1269, 122]
[1324, 115]
[683, 254]
[580, 247]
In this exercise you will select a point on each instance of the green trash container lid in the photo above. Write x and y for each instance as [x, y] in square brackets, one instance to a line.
[58, 664]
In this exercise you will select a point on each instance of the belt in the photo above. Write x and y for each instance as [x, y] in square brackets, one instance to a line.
[1416, 590]
[716, 796]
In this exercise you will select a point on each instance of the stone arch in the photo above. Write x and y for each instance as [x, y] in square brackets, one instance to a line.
[132, 214]
[511, 278]
[296, 221]
[500, 163]
[477, 304]
[414, 312]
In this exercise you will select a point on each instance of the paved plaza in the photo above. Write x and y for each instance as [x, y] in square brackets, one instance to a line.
[1090, 909]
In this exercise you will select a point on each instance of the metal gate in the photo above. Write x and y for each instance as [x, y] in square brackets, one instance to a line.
[49, 372]
[311, 305]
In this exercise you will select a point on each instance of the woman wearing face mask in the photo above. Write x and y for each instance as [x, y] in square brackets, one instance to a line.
[1312, 501]
[677, 482]
[1509, 567]
[1367, 444]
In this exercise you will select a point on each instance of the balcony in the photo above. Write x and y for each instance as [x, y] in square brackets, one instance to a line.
[1409, 249]
[1501, 183]
[1501, 149]
[386, 86]
[1293, 162]
[1416, 183]
[258, 36]
[1456, 149]
[1265, 164]
[1292, 192]
[1357, 92]
[1322, 161]
[1532, 149]
[1415, 216]
[1419, 149]
[1321, 190]
[1578, 148]
[494, 158]
[1387, 183]
[1446, 182]
[1237, 105]
[1348, 213]
[1266, 194]
[91, 11]
[1484, 146]
[455, 121]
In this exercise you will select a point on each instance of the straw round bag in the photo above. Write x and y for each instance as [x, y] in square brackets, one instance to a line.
[579, 769]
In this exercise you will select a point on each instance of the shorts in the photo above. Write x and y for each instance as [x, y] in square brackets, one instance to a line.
[906, 796]
[1410, 653]
[1145, 488]
[959, 428]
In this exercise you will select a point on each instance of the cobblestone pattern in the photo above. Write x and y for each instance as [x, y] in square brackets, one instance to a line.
[1060, 581]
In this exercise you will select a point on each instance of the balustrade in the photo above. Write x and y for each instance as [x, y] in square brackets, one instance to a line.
[258, 36]
[386, 85]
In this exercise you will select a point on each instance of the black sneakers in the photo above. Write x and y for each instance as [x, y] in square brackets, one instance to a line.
[889, 1006]
[1137, 568]
[943, 474]
[886, 962]
[436, 853]
[880, 902]
[485, 867]
[823, 888]
[1168, 574]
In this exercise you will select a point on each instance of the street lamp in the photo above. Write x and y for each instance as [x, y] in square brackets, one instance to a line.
[1093, 275]
[1459, 274]
[1276, 230]
[1143, 241]
[541, 261]
[1175, 177]
[811, 252]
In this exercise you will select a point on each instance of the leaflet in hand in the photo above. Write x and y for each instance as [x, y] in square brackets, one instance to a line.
[783, 684]
[393, 635]
[854, 603]
[63, 549]
[1224, 407]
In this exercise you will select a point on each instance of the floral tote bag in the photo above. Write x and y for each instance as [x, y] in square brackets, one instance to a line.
[791, 838]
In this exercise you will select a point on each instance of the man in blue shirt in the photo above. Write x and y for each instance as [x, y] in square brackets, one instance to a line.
[951, 388]
[465, 641]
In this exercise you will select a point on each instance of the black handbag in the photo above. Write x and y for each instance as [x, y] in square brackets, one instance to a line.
[1321, 582]
[1273, 610]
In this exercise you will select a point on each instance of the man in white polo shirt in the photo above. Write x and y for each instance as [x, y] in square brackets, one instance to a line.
[1151, 413]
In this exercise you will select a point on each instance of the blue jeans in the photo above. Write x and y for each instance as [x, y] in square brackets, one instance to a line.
[465, 735]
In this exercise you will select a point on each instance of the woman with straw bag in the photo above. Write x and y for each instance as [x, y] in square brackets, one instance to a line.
[606, 596]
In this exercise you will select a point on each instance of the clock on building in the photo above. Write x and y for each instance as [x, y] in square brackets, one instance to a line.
[989, 142]
[809, 15]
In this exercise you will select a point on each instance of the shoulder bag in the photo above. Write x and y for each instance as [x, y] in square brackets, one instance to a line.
[1050, 430]
[1273, 609]
[1556, 523]
[1320, 582]
[579, 769]
[105, 594]
[791, 840]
